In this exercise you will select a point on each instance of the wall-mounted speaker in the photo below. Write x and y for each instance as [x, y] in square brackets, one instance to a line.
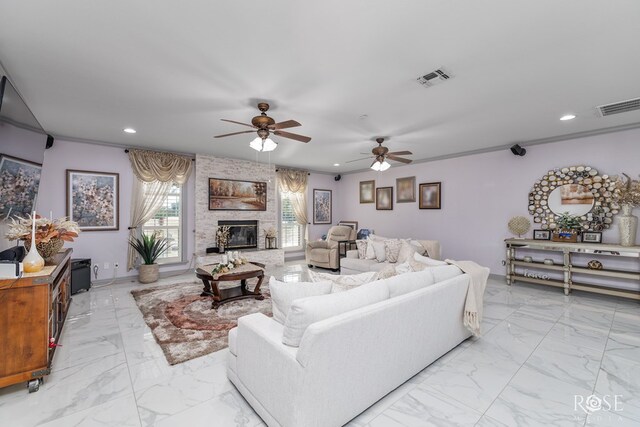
[517, 150]
[337, 177]
[49, 142]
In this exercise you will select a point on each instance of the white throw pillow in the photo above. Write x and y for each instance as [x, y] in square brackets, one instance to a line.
[379, 249]
[404, 267]
[428, 261]
[306, 311]
[405, 283]
[418, 246]
[391, 249]
[406, 252]
[370, 254]
[284, 293]
[346, 282]
[362, 248]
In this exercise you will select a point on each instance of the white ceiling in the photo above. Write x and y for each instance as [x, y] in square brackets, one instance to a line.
[172, 69]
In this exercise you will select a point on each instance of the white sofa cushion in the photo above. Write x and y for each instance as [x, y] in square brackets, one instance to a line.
[428, 261]
[392, 248]
[344, 283]
[362, 265]
[370, 253]
[409, 282]
[305, 311]
[362, 248]
[284, 293]
[406, 251]
[379, 250]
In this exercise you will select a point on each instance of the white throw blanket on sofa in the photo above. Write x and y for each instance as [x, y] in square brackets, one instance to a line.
[475, 293]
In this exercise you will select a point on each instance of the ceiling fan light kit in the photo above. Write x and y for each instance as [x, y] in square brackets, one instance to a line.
[265, 125]
[381, 154]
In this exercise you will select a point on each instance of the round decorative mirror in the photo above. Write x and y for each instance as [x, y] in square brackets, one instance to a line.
[579, 190]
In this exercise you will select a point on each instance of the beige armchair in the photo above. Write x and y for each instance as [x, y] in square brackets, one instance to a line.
[325, 253]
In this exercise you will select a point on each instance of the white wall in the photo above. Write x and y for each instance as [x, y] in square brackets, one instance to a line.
[101, 246]
[480, 193]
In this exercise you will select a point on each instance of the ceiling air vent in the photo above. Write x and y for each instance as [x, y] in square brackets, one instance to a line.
[435, 77]
[619, 107]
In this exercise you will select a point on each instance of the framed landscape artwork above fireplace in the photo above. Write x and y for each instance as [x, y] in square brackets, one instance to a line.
[235, 195]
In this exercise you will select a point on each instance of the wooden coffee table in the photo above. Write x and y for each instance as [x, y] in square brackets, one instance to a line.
[221, 296]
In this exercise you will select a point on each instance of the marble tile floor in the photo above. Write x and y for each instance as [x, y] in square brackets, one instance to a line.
[538, 351]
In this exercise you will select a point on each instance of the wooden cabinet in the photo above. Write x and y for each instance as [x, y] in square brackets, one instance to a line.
[565, 270]
[32, 310]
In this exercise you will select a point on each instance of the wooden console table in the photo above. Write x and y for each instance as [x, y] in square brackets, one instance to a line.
[568, 269]
[33, 310]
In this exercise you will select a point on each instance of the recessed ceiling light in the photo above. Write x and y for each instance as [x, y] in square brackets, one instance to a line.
[568, 117]
[336, 164]
[129, 130]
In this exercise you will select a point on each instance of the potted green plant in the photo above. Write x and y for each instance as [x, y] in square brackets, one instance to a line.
[568, 227]
[149, 247]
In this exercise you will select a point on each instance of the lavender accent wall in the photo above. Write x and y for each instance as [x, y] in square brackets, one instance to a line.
[481, 192]
[101, 246]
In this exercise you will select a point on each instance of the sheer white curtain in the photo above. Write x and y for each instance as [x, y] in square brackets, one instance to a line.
[155, 174]
[294, 183]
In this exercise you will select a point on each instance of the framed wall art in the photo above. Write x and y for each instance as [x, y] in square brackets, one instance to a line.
[430, 197]
[321, 206]
[591, 237]
[384, 198]
[19, 182]
[541, 234]
[236, 195]
[367, 191]
[93, 199]
[406, 189]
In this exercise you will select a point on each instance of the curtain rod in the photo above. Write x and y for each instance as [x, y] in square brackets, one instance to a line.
[308, 173]
[126, 150]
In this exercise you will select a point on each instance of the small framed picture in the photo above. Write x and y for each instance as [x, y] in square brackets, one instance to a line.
[430, 197]
[322, 206]
[367, 191]
[541, 234]
[592, 237]
[384, 198]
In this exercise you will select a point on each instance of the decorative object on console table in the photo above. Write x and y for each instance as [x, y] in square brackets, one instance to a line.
[367, 191]
[568, 227]
[322, 206]
[406, 189]
[33, 262]
[18, 173]
[594, 264]
[93, 199]
[149, 247]
[592, 237]
[541, 234]
[519, 225]
[627, 195]
[49, 234]
[430, 195]
[384, 198]
[235, 195]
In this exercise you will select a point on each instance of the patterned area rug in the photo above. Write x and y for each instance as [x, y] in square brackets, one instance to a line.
[185, 325]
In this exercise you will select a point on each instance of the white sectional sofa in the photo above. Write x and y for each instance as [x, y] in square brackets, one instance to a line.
[354, 265]
[348, 361]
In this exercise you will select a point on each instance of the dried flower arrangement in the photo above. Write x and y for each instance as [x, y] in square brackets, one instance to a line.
[271, 232]
[46, 229]
[627, 191]
[222, 235]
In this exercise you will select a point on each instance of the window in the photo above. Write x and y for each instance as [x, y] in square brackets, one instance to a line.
[167, 222]
[290, 230]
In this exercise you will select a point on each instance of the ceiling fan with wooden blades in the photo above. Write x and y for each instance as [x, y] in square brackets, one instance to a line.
[381, 154]
[265, 126]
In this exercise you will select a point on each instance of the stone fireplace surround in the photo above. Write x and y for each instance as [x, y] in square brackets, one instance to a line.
[207, 221]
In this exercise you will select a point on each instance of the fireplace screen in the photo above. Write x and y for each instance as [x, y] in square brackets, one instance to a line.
[242, 234]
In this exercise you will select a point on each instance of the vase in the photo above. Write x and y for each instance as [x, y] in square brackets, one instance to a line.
[628, 226]
[221, 248]
[33, 262]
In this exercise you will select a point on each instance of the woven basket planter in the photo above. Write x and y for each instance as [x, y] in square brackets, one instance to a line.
[148, 273]
[46, 249]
